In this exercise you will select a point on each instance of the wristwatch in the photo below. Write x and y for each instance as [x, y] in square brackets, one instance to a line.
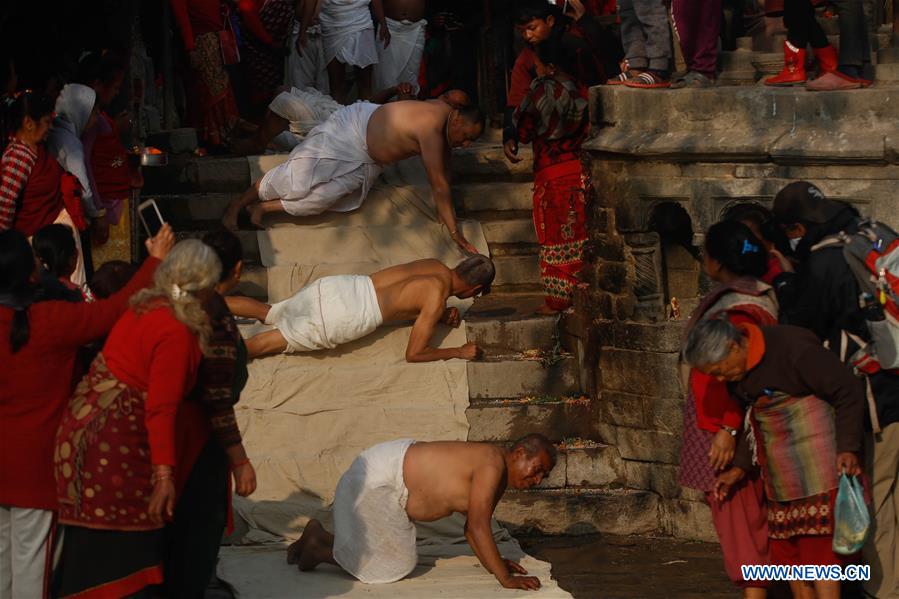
[729, 429]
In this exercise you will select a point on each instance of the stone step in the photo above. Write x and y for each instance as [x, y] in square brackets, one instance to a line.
[487, 162]
[516, 270]
[555, 418]
[577, 512]
[496, 196]
[502, 325]
[188, 208]
[248, 240]
[500, 376]
[887, 56]
[888, 72]
[518, 230]
[513, 249]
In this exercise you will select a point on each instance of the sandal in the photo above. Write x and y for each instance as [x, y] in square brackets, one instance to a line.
[649, 80]
[693, 79]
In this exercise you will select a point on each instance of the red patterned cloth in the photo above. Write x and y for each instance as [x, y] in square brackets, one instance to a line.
[695, 471]
[102, 457]
[554, 117]
[808, 516]
[15, 168]
[560, 216]
[213, 106]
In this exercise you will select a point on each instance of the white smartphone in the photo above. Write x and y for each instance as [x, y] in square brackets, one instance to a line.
[151, 217]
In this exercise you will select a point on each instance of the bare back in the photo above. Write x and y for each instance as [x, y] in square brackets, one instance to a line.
[404, 10]
[403, 290]
[439, 476]
[398, 130]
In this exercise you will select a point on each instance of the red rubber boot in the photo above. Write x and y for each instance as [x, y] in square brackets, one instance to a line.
[793, 72]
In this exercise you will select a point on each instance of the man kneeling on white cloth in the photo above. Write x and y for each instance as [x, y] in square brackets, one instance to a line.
[294, 112]
[392, 485]
[339, 309]
[346, 153]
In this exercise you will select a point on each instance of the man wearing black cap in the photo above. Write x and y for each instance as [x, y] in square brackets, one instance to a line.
[823, 295]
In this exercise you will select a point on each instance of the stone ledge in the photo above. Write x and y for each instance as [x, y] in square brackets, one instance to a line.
[640, 372]
[642, 445]
[557, 420]
[570, 512]
[690, 520]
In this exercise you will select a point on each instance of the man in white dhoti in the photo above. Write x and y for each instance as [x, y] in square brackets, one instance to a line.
[346, 153]
[399, 61]
[293, 113]
[306, 66]
[392, 485]
[348, 39]
[339, 309]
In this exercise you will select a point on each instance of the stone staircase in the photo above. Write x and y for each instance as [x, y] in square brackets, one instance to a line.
[529, 381]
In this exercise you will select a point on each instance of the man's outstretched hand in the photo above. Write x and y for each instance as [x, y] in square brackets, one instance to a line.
[527, 583]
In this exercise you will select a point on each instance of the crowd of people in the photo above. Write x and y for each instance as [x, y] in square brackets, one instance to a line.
[791, 388]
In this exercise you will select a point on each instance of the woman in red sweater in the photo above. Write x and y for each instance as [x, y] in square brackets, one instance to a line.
[735, 259]
[35, 191]
[38, 348]
[116, 459]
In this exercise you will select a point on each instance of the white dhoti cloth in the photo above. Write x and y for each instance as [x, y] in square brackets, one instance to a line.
[374, 540]
[399, 62]
[324, 171]
[327, 313]
[348, 33]
[310, 69]
[304, 110]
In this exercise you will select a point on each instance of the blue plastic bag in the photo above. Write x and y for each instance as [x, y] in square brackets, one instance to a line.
[851, 521]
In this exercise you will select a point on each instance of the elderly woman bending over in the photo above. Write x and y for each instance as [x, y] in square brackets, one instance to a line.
[807, 413]
[115, 460]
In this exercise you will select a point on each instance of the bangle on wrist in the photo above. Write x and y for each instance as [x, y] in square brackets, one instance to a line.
[240, 463]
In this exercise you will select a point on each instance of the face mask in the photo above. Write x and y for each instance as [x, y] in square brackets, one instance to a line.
[794, 243]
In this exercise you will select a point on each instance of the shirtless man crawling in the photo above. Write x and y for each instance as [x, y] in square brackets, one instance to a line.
[298, 111]
[391, 486]
[346, 153]
[339, 309]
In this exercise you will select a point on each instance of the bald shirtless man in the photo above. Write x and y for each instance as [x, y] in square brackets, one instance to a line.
[346, 153]
[301, 110]
[391, 486]
[336, 310]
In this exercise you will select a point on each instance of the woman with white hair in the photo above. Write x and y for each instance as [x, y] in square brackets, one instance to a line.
[116, 464]
[807, 422]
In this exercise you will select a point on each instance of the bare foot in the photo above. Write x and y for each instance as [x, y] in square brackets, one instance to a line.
[545, 310]
[229, 219]
[311, 542]
[256, 215]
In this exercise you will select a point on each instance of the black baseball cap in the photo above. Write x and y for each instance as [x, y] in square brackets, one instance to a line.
[802, 201]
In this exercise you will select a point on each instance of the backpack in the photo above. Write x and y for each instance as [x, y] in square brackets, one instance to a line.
[872, 254]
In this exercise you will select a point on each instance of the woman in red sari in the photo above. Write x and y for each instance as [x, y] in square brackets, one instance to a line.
[554, 117]
[35, 191]
[735, 259]
[267, 27]
[116, 458]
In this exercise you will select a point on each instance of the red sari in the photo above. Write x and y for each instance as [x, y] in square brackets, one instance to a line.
[123, 419]
[554, 117]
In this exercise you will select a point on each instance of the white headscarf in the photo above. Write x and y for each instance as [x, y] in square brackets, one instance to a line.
[73, 109]
[75, 104]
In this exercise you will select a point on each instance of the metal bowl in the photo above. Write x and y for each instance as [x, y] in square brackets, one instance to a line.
[147, 159]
